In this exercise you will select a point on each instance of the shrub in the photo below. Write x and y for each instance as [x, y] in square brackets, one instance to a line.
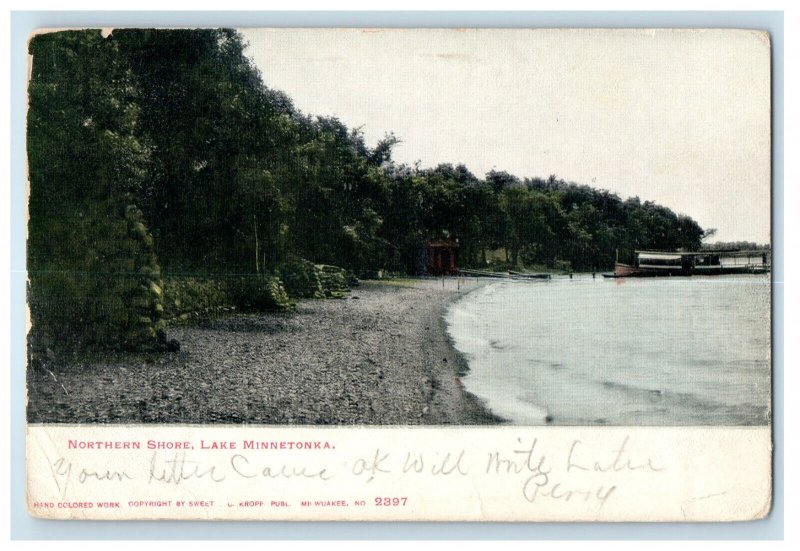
[500, 266]
[259, 293]
[107, 295]
[301, 279]
[187, 297]
[335, 280]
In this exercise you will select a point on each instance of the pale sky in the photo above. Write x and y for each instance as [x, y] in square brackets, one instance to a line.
[681, 118]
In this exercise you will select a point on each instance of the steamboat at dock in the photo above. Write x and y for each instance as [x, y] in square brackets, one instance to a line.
[661, 263]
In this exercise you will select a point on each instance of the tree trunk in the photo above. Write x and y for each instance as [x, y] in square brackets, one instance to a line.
[255, 234]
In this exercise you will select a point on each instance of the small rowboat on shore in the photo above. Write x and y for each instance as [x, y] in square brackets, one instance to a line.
[482, 273]
[529, 275]
[507, 275]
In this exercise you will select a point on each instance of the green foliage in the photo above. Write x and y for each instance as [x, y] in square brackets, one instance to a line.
[736, 246]
[153, 149]
[499, 266]
[258, 293]
[301, 278]
[335, 281]
[94, 278]
[189, 298]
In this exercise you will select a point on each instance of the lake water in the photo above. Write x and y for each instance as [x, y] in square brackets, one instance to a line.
[584, 351]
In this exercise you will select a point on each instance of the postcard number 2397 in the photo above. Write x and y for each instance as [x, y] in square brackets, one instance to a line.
[390, 501]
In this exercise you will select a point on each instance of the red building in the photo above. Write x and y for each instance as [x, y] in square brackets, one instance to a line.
[442, 256]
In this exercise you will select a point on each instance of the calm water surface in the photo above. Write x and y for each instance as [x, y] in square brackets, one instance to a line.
[665, 351]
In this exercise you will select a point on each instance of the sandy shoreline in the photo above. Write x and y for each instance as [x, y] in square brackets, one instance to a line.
[381, 356]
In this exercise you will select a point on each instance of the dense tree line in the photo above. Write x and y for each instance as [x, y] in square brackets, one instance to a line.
[163, 150]
[736, 246]
[241, 179]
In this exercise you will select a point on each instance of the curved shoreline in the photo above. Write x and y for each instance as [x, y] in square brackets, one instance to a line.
[460, 406]
[381, 356]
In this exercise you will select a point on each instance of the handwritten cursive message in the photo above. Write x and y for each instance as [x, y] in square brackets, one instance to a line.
[502, 473]
[539, 473]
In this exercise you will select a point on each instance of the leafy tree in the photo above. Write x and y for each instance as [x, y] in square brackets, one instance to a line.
[93, 276]
[154, 148]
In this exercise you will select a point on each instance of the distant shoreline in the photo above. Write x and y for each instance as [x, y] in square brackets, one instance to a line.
[380, 356]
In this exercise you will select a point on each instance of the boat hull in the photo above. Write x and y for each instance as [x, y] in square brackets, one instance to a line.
[626, 270]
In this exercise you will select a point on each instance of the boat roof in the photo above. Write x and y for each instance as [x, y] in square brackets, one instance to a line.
[696, 253]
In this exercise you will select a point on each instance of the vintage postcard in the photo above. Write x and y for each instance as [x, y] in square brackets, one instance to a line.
[407, 274]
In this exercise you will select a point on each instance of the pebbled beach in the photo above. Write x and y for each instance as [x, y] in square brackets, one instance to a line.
[380, 356]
